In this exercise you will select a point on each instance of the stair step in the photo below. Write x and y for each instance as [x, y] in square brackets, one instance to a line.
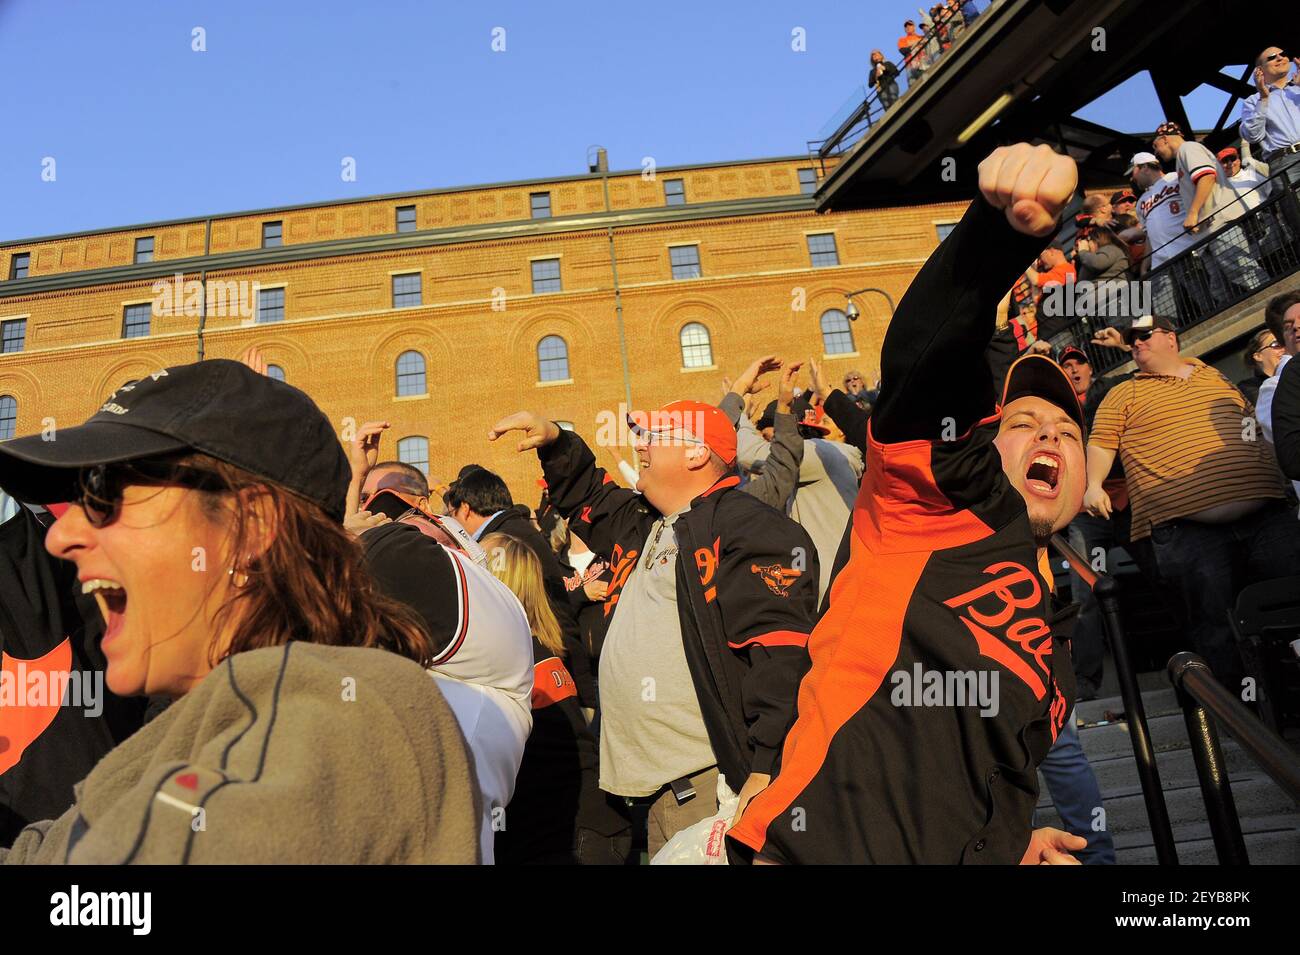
[1273, 840]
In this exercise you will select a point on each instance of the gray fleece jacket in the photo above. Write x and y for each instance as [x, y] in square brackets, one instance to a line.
[294, 754]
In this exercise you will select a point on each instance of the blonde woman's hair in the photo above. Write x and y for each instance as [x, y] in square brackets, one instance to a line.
[516, 566]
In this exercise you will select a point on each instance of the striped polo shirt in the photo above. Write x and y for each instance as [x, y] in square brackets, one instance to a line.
[1187, 444]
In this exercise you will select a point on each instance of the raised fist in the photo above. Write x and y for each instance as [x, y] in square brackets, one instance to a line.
[1033, 184]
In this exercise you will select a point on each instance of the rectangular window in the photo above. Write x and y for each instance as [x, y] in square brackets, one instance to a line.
[945, 229]
[546, 276]
[822, 250]
[19, 262]
[407, 290]
[14, 334]
[270, 305]
[272, 234]
[135, 320]
[808, 181]
[144, 249]
[406, 218]
[685, 260]
[674, 192]
[540, 204]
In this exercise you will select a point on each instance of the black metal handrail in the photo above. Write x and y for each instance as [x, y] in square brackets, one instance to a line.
[1206, 704]
[1106, 589]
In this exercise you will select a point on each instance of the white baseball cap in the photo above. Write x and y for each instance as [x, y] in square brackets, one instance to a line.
[1141, 159]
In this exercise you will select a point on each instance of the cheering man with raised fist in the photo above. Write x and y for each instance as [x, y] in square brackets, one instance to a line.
[936, 687]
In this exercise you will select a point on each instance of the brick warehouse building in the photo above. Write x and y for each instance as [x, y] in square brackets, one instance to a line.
[439, 311]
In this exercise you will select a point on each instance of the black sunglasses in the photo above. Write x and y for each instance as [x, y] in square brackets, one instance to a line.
[102, 485]
[1275, 56]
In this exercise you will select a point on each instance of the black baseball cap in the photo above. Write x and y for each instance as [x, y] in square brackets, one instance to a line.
[1146, 323]
[1071, 352]
[1039, 376]
[217, 407]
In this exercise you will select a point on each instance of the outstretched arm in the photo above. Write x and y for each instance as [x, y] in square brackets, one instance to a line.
[932, 364]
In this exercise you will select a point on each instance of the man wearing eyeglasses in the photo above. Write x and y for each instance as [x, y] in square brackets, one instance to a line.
[709, 609]
[1205, 488]
[1270, 118]
[855, 386]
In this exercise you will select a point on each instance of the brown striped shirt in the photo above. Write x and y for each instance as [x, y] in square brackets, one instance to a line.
[1186, 444]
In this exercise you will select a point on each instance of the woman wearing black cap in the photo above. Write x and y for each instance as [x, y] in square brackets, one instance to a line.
[207, 523]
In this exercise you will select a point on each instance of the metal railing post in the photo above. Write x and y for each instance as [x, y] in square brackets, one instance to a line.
[1211, 771]
[1106, 589]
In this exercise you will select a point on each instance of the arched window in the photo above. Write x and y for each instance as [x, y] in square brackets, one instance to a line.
[552, 359]
[837, 335]
[275, 371]
[8, 417]
[414, 451]
[410, 374]
[697, 349]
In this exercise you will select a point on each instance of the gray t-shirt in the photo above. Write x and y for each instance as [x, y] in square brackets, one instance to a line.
[1194, 163]
[651, 728]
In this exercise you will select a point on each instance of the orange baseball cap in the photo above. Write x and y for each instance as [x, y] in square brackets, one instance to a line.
[703, 422]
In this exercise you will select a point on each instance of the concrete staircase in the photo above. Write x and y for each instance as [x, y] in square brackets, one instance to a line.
[1270, 820]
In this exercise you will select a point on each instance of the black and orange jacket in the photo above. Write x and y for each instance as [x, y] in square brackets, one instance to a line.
[746, 596]
[938, 574]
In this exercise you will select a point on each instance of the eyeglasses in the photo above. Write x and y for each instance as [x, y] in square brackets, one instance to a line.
[1275, 56]
[102, 486]
[1278, 345]
[663, 437]
[1140, 336]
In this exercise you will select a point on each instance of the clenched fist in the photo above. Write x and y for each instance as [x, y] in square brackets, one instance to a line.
[1031, 183]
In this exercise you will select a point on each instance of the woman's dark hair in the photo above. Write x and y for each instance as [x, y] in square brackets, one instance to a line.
[1253, 346]
[309, 584]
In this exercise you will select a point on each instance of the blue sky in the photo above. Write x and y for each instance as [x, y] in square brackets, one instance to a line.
[143, 128]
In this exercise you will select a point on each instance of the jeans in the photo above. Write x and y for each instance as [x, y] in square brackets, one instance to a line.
[1087, 643]
[888, 92]
[1077, 797]
[1206, 565]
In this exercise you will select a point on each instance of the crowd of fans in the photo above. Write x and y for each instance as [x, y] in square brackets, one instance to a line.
[920, 47]
[727, 644]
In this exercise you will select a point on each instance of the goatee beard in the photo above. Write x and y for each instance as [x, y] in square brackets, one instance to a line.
[1042, 528]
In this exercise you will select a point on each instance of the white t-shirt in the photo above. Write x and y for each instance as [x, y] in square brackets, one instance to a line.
[486, 673]
[1264, 407]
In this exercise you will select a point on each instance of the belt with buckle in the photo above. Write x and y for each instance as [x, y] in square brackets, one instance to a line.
[1284, 151]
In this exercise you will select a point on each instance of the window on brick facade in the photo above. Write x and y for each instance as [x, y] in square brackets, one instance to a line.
[270, 305]
[275, 371]
[410, 374]
[944, 229]
[552, 359]
[565, 425]
[546, 276]
[808, 181]
[837, 334]
[415, 451]
[685, 261]
[19, 263]
[406, 290]
[406, 218]
[822, 251]
[697, 348]
[135, 320]
[144, 249]
[539, 204]
[8, 417]
[13, 334]
[272, 234]
[674, 192]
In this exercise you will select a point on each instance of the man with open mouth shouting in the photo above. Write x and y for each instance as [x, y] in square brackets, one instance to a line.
[942, 579]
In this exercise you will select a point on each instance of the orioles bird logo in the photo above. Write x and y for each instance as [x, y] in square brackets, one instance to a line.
[777, 578]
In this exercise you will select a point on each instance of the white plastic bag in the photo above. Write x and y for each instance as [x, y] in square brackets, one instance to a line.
[703, 843]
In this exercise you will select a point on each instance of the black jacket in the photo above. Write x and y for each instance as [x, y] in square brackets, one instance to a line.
[1286, 419]
[517, 522]
[746, 596]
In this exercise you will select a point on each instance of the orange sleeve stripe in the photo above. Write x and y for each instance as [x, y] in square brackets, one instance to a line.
[852, 650]
[551, 683]
[775, 638]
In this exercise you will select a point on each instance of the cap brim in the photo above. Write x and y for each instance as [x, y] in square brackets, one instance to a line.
[45, 471]
[1040, 377]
